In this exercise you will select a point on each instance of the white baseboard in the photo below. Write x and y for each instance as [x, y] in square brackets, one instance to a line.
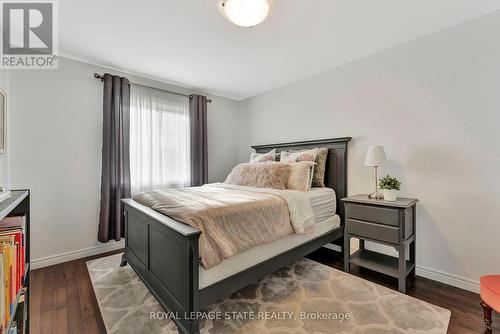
[449, 279]
[74, 255]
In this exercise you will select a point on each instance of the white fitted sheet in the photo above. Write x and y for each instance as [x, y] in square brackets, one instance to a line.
[323, 202]
[255, 255]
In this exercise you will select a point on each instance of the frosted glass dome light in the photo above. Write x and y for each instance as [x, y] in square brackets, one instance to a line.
[246, 13]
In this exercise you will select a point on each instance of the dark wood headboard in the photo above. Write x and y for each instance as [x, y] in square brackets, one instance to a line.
[336, 163]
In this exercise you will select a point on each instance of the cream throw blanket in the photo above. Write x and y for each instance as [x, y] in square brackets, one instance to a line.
[232, 218]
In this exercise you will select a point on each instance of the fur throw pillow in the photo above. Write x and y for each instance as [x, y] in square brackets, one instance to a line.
[261, 175]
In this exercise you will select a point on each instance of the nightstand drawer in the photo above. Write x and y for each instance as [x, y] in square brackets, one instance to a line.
[373, 231]
[386, 216]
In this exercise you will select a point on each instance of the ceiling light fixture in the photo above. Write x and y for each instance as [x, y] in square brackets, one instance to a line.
[245, 13]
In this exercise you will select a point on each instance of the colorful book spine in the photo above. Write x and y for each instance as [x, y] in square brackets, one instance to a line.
[2, 292]
[12, 267]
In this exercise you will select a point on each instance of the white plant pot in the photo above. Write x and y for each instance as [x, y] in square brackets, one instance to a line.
[390, 195]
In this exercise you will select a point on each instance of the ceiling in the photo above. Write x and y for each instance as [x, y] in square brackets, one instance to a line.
[190, 43]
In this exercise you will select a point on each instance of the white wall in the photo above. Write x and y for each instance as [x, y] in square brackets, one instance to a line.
[434, 104]
[222, 138]
[55, 150]
[4, 157]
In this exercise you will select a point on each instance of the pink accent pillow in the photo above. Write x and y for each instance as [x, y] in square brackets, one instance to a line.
[309, 155]
[301, 175]
[262, 157]
[319, 169]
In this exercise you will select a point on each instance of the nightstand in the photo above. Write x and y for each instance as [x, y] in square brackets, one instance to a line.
[384, 222]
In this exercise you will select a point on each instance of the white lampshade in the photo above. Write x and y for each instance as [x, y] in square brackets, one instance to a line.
[375, 156]
[246, 13]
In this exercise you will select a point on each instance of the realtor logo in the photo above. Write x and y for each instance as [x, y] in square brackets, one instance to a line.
[29, 35]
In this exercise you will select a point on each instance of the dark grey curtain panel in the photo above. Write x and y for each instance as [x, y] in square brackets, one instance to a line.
[199, 151]
[115, 178]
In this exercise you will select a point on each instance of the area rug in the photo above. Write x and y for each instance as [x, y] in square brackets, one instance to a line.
[306, 297]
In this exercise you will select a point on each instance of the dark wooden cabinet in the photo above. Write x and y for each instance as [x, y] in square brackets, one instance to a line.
[384, 222]
[18, 204]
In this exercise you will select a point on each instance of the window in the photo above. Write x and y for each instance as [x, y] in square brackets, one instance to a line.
[159, 139]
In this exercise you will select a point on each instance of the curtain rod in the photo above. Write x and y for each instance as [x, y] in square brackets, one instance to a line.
[101, 77]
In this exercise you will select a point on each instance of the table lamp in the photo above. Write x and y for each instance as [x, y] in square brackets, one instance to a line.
[375, 157]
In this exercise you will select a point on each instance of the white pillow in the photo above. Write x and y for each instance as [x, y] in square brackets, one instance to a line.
[309, 155]
[262, 157]
[300, 175]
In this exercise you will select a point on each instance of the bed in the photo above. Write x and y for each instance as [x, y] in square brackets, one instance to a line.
[165, 253]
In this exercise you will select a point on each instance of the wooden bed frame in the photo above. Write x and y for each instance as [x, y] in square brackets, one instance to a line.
[164, 252]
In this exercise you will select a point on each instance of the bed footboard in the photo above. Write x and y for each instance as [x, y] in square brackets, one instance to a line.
[164, 253]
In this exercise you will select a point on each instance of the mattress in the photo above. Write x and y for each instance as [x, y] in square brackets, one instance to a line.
[323, 202]
[258, 254]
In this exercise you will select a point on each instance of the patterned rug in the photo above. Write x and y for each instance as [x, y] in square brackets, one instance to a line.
[306, 297]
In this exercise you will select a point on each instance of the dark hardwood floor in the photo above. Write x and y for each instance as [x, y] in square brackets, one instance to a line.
[63, 300]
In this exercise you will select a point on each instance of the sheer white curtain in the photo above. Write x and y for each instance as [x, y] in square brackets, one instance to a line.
[159, 139]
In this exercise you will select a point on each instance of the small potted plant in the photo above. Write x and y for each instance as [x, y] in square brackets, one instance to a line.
[390, 187]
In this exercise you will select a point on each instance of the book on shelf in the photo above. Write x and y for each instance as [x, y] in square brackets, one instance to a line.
[12, 267]
[12, 222]
[2, 290]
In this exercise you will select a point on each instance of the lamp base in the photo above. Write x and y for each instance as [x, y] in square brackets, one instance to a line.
[376, 195]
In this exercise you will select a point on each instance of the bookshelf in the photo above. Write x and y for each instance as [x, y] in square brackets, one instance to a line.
[18, 205]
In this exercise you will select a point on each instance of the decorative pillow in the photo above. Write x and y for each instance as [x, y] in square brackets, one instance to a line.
[309, 155]
[263, 157]
[301, 175]
[319, 170]
[262, 175]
